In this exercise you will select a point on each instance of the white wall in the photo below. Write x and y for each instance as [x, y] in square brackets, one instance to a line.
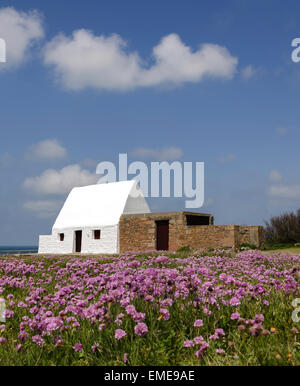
[108, 242]
[52, 244]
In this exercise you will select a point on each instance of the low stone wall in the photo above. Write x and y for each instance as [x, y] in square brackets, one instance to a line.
[251, 235]
[138, 233]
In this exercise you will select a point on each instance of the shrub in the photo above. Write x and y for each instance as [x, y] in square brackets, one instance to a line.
[283, 229]
[186, 248]
[248, 246]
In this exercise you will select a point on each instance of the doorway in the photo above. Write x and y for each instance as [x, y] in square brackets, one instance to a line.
[162, 235]
[78, 238]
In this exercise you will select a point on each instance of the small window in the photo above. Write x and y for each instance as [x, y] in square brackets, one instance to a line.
[197, 220]
[97, 234]
[61, 237]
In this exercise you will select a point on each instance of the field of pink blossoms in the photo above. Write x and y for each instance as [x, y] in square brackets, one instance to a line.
[150, 309]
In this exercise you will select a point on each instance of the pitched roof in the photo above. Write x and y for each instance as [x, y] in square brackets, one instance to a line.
[100, 205]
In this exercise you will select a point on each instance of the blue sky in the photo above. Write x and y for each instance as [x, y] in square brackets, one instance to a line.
[232, 105]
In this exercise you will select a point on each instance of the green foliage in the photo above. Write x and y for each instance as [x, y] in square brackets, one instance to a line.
[248, 246]
[186, 248]
[273, 246]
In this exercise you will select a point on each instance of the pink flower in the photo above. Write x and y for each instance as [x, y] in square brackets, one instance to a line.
[8, 314]
[188, 343]
[220, 332]
[165, 313]
[198, 339]
[77, 347]
[259, 318]
[234, 301]
[125, 357]
[119, 334]
[95, 346]
[198, 323]
[37, 339]
[141, 329]
[235, 316]
[23, 336]
[3, 340]
[161, 259]
[204, 346]
[220, 351]
[130, 309]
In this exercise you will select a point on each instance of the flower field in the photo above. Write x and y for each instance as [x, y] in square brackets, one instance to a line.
[147, 309]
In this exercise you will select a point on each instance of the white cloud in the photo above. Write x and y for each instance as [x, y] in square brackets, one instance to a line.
[281, 131]
[20, 30]
[275, 176]
[44, 208]
[285, 191]
[60, 181]
[47, 149]
[248, 72]
[227, 158]
[209, 202]
[164, 154]
[5, 160]
[85, 60]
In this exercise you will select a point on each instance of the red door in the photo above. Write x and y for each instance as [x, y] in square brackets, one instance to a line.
[78, 238]
[162, 235]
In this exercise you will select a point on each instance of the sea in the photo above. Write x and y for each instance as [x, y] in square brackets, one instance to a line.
[13, 250]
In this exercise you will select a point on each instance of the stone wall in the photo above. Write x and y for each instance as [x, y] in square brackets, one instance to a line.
[138, 233]
[251, 235]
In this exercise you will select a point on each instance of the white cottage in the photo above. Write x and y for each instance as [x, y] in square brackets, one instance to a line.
[89, 219]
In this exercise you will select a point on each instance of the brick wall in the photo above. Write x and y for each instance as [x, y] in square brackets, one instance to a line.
[138, 233]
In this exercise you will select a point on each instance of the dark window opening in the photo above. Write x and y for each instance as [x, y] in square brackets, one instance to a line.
[61, 237]
[197, 220]
[97, 234]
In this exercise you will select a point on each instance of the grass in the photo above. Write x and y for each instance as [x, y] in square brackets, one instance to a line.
[292, 250]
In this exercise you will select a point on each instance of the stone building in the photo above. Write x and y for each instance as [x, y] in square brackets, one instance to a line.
[115, 218]
[173, 230]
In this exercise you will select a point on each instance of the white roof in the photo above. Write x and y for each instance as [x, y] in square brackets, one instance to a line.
[100, 205]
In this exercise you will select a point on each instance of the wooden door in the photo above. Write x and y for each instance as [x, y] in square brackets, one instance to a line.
[162, 235]
[78, 238]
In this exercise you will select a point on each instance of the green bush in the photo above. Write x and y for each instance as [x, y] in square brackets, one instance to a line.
[248, 246]
[186, 248]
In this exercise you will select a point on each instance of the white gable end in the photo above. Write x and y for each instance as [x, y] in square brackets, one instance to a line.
[89, 208]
